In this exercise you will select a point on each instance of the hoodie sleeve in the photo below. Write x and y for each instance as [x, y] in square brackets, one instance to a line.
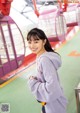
[50, 89]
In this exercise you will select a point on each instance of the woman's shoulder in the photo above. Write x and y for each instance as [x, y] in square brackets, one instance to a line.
[50, 57]
[50, 54]
[47, 56]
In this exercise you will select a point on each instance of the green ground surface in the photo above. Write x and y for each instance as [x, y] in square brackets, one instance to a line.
[19, 96]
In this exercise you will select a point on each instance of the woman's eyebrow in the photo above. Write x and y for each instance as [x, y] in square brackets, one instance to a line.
[36, 39]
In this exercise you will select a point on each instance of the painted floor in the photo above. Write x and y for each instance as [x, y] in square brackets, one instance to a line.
[18, 95]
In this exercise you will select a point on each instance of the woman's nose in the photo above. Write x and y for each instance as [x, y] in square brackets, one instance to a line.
[32, 45]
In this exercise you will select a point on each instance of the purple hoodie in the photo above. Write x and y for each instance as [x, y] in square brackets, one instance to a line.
[47, 87]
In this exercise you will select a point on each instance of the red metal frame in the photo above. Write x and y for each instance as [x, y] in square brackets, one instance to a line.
[5, 6]
[35, 8]
[63, 5]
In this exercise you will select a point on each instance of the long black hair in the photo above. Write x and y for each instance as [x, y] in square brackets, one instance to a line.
[39, 34]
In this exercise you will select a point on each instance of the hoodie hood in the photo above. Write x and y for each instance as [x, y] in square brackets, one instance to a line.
[54, 58]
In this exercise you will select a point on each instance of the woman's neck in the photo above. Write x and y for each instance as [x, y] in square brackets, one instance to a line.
[41, 53]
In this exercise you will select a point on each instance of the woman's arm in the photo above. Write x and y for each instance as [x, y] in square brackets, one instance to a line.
[50, 89]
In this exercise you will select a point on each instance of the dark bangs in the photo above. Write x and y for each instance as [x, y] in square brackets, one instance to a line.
[34, 37]
[36, 34]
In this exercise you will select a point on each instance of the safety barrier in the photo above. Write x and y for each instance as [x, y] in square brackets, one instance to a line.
[77, 94]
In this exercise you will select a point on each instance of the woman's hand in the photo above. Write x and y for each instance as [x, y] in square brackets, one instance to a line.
[33, 77]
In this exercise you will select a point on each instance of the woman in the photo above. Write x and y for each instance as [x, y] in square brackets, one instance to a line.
[46, 85]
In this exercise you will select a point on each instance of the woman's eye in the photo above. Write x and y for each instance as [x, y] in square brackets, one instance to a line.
[36, 42]
[29, 42]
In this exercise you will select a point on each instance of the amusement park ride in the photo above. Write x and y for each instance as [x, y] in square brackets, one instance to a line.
[11, 41]
[12, 45]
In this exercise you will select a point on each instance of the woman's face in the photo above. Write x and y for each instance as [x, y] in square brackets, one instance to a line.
[36, 46]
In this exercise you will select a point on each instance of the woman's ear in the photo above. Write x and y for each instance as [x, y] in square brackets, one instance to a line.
[44, 41]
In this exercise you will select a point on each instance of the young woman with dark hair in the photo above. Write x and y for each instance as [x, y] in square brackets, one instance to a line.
[46, 84]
